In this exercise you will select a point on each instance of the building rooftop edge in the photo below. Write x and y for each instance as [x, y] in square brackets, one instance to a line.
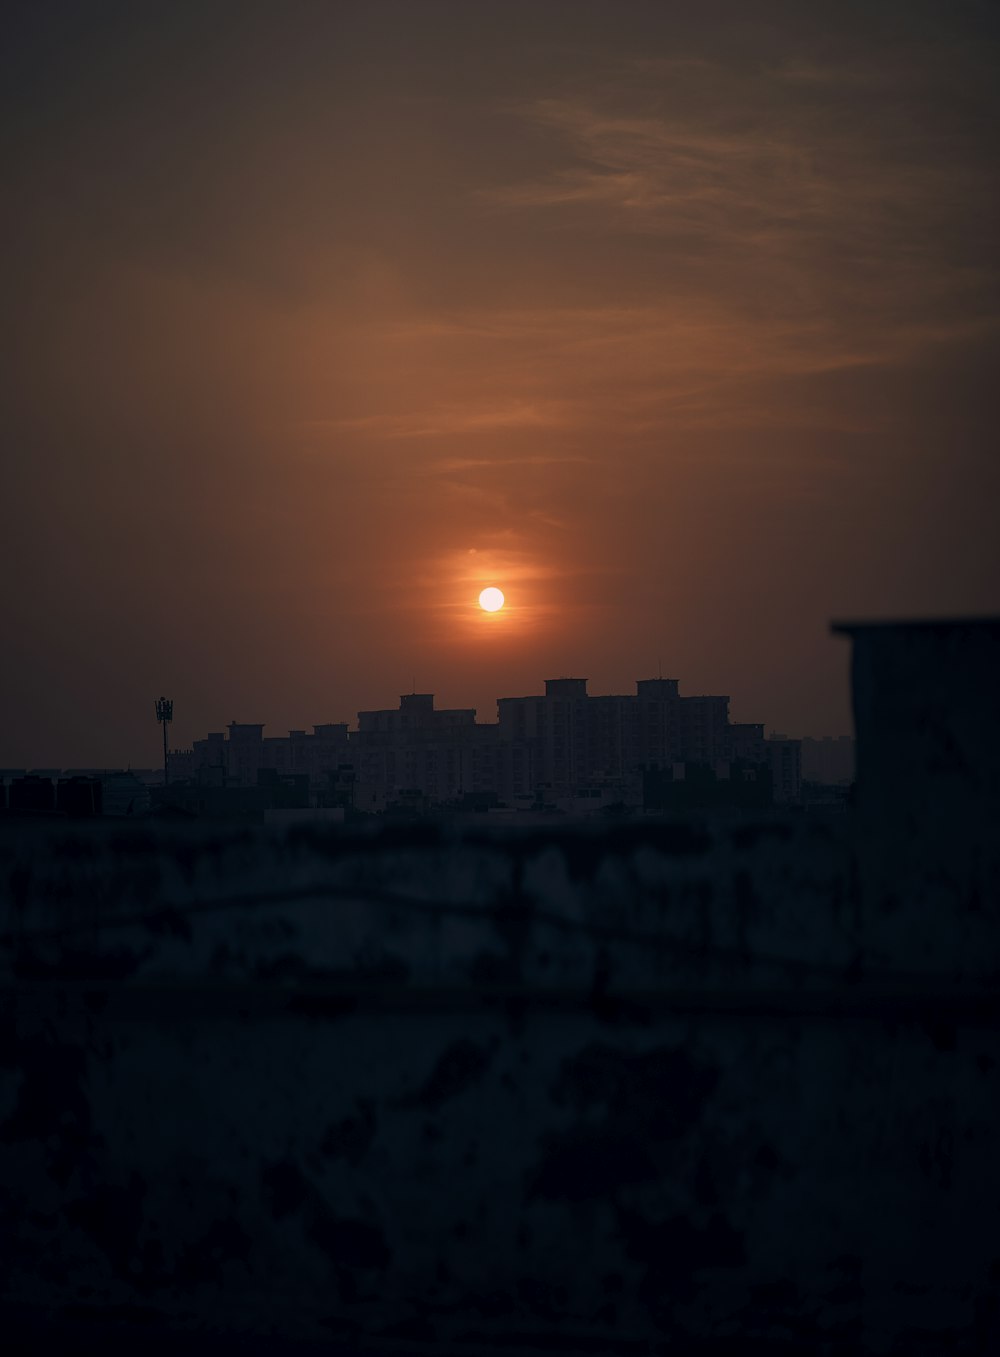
[848, 628]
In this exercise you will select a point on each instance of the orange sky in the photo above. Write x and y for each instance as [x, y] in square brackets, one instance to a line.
[680, 328]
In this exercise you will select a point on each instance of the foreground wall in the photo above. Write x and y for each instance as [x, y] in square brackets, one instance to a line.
[654, 1087]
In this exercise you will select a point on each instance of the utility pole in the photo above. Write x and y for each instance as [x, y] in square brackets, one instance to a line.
[164, 714]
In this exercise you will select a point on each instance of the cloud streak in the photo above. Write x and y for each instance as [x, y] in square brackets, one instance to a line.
[789, 239]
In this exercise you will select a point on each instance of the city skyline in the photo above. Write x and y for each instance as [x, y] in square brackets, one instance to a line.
[564, 744]
[565, 749]
[354, 723]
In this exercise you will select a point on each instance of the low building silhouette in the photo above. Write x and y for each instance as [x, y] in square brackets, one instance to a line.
[562, 750]
[32, 794]
[419, 756]
[79, 796]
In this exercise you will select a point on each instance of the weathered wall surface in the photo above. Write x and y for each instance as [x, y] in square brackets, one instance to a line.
[653, 1087]
[925, 705]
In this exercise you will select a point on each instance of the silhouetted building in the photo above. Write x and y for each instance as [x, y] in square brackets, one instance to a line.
[243, 752]
[7, 776]
[658, 723]
[928, 774]
[183, 766]
[688, 787]
[239, 754]
[284, 791]
[556, 726]
[416, 756]
[79, 796]
[785, 758]
[925, 703]
[32, 794]
[703, 724]
[745, 743]
[562, 749]
[578, 742]
[210, 753]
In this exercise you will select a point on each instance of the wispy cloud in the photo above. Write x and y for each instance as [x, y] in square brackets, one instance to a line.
[749, 178]
[450, 421]
[754, 241]
[704, 360]
[833, 239]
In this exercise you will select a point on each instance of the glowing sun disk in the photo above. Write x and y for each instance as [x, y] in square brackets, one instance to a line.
[491, 600]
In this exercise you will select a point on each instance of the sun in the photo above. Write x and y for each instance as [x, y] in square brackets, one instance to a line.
[491, 600]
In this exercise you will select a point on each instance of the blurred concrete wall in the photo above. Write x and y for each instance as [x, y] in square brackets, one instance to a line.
[647, 1087]
[926, 712]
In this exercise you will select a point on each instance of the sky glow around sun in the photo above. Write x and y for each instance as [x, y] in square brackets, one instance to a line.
[650, 319]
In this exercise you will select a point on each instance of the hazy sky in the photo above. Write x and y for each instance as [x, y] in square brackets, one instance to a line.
[677, 322]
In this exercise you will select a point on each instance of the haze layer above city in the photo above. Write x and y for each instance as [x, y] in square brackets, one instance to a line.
[676, 324]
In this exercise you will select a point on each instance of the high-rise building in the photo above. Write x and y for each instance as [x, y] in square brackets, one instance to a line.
[415, 754]
[562, 748]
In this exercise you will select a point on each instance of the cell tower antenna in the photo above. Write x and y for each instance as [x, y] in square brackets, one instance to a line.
[165, 714]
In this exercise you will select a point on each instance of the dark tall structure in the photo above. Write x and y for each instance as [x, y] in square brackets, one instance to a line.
[164, 714]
